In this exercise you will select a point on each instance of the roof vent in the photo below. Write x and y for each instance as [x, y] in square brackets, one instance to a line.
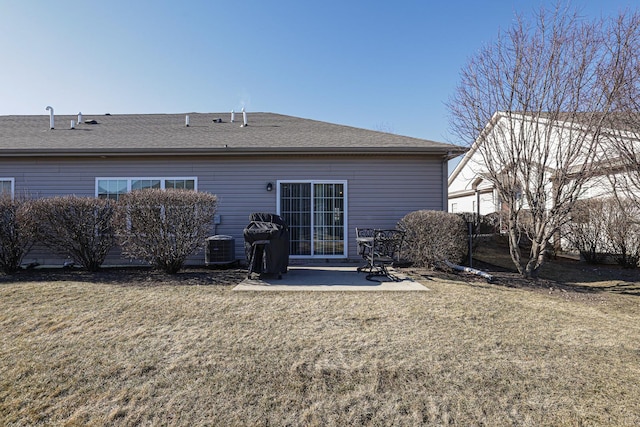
[51, 119]
[73, 124]
[186, 120]
[217, 120]
[90, 122]
[244, 118]
[79, 118]
[233, 116]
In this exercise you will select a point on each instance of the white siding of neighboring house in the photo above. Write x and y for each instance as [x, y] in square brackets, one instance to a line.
[468, 191]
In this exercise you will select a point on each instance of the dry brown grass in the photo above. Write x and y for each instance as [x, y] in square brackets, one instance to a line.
[87, 353]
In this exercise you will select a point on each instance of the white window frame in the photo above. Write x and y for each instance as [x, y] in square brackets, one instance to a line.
[144, 178]
[13, 185]
[344, 183]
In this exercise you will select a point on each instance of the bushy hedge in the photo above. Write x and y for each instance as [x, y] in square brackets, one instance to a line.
[164, 227]
[16, 233]
[433, 237]
[77, 227]
[605, 226]
[624, 233]
[587, 230]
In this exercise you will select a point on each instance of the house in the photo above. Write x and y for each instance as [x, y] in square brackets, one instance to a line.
[471, 190]
[324, 179]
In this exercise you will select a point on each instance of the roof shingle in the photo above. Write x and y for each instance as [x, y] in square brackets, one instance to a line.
[167, 133]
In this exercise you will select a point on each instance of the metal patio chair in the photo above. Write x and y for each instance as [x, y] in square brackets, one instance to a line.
[379, 249]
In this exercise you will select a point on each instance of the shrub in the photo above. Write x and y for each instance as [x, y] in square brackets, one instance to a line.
[77, 227]
[164, 227]
[16, 233]
[481, 226]
[433, 237]
[587, 230]
[623, 231]
[602, 226]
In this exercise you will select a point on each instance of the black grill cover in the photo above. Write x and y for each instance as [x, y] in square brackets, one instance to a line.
[270, 258]
[260, 230]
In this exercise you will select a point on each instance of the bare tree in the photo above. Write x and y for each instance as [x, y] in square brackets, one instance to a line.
[385, 127]
[534, 103]
[622, 158]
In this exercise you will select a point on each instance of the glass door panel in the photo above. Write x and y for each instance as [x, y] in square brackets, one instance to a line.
[328, 236]
[295, 209]
[315, 215]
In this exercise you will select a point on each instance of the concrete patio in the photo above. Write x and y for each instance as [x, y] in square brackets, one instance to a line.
[322, 277]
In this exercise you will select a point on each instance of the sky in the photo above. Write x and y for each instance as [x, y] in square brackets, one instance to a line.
[381, 65]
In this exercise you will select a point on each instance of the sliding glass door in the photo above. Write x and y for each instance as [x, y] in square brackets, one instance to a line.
[315, 213]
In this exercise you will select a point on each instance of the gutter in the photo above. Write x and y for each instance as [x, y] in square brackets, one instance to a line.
[225, 151]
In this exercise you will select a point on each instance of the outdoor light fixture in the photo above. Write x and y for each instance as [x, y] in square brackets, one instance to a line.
[269, 186]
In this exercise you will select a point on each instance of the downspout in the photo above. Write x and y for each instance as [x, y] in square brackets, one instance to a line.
[445, 185]
[477, 213]
[471, 270]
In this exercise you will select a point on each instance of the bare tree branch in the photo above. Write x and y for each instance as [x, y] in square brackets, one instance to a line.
[535, 104]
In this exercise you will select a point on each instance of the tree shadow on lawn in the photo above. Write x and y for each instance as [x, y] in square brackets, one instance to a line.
[583, 277]
[557, 274]
[133, 276]
[566, 273]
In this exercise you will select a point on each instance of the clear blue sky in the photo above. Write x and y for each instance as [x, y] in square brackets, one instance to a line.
[381, 65]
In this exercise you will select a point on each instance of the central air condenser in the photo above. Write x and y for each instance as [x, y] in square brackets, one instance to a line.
[220, 249]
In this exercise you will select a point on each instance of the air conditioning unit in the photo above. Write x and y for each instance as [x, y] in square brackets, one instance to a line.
[220, 249]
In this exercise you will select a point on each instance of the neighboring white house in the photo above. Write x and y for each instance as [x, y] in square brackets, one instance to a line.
[471, 189]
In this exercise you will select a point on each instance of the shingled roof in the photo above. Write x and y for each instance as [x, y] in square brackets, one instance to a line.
[208, 133]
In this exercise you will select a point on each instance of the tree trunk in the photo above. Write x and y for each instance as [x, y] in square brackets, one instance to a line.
[536, 258]
[514, 248]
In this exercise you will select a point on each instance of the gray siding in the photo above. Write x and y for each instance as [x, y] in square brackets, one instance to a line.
[381, 190]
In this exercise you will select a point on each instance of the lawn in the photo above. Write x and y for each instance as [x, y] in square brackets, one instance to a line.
[172, 352]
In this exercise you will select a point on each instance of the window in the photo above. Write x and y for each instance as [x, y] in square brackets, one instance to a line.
[315, 213]
[142, 184]
[6, 187]
[182, 184]
[113, 188]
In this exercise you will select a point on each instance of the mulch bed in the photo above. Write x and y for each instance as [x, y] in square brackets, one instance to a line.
[622, 280]
[135, 276]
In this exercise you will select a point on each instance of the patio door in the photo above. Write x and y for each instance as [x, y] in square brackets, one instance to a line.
[315, 213]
